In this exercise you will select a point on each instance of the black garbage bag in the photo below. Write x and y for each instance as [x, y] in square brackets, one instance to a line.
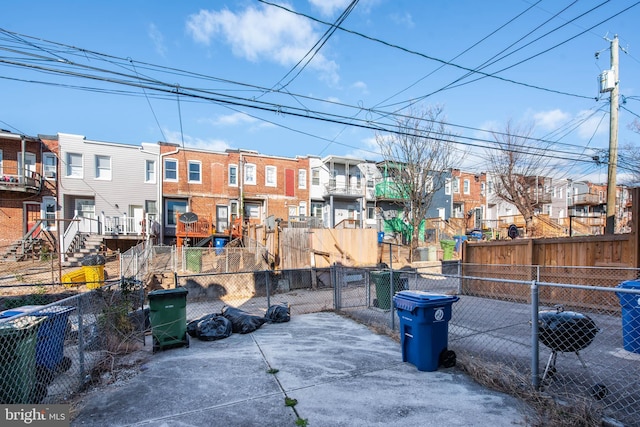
[93, 260]
[241, 321]
[214, 328]
[278, 313]
[210, 327]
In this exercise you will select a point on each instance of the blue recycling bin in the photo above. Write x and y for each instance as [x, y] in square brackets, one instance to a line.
[380, 236]
[424, 327]
[459, 240]
[219, 243]
[630, 304]
[51, 334]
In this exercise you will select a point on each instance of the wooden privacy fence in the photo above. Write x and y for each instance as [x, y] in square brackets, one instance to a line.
[603, 261]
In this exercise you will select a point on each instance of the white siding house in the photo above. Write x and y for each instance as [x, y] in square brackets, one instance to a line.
[114, 185]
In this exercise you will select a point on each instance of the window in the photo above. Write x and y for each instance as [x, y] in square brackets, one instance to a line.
[175, 208]
[49, 211]
[151, 208]
[316, 209]
[270, 176]
[315, 176]
[302, 209]
[48, 165]
[482, 188]
[447, 186]
[250, 173]
[233, 175]
[150, 172]
[370, 184]
[302, 178]
[292, 211]
[30, 164]
[194, 171]
[456, 185]
[74, 165]
[234, 207]
[371, 212]
[170, 170]
[103, 167]
[466, 186]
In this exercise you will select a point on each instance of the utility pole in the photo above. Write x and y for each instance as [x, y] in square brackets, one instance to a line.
[613, 141]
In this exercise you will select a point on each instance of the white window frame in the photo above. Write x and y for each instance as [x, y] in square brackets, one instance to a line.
[270, 176]
[103, 172]
[315, 176]
[456, 185]
[49, 216]
[302, 209]
[447, 186]
[466, 186]
[73, 170]
[235, 168]
[49, 166]
[234, 209]
[249, 174]
[194, 163]
[302, 178]
[165, 169]
[150, 171]
[30, 160]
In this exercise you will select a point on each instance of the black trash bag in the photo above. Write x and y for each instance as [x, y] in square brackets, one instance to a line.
[241, 321]
[192, 327]
[90, 260]
[278, 313]
[214, 328]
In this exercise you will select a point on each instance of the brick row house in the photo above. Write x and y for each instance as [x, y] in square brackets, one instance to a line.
[230, 190]
[28, 193]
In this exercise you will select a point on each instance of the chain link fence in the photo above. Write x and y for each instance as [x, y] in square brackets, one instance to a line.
[559, 330]
[49, 352]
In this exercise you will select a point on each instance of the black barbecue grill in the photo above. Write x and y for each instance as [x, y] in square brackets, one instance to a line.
[567, 332]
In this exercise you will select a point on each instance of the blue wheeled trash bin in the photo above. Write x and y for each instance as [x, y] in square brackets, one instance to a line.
[630, 304]
[424, 328]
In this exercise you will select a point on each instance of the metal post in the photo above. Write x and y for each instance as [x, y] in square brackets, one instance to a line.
[459, 277]
[80, 341]
[267, 281]
[535, 349]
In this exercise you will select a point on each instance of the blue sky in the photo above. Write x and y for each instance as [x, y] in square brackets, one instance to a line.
[216, 61]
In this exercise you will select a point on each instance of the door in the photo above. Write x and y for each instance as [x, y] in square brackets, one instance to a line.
[137, 212]
[48, 212]
[32, 215]
[222, 218]
[29, 165]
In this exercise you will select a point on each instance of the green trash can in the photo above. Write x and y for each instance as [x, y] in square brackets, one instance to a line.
[447, 249]
[382, 280]
[18, 339]
[194, 259]
[168, 318]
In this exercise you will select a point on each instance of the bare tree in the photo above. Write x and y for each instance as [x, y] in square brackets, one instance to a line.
[517, 165]
[419, 151]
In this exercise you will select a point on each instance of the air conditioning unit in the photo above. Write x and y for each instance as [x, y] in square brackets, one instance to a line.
[50, 174]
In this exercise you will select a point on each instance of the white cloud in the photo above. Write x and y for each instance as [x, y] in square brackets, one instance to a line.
[264, 33]
[551, 120]
[233, 119]
[405, 20]
[362, 86]
[329, 7]
[194, 142]
[158, 40]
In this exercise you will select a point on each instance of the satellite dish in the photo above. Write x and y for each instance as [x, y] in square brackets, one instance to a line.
[188, 218]
[270, 222]
[513, 231]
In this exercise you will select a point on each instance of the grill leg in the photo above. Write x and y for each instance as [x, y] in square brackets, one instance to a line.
[551, 365]
[584, 365]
